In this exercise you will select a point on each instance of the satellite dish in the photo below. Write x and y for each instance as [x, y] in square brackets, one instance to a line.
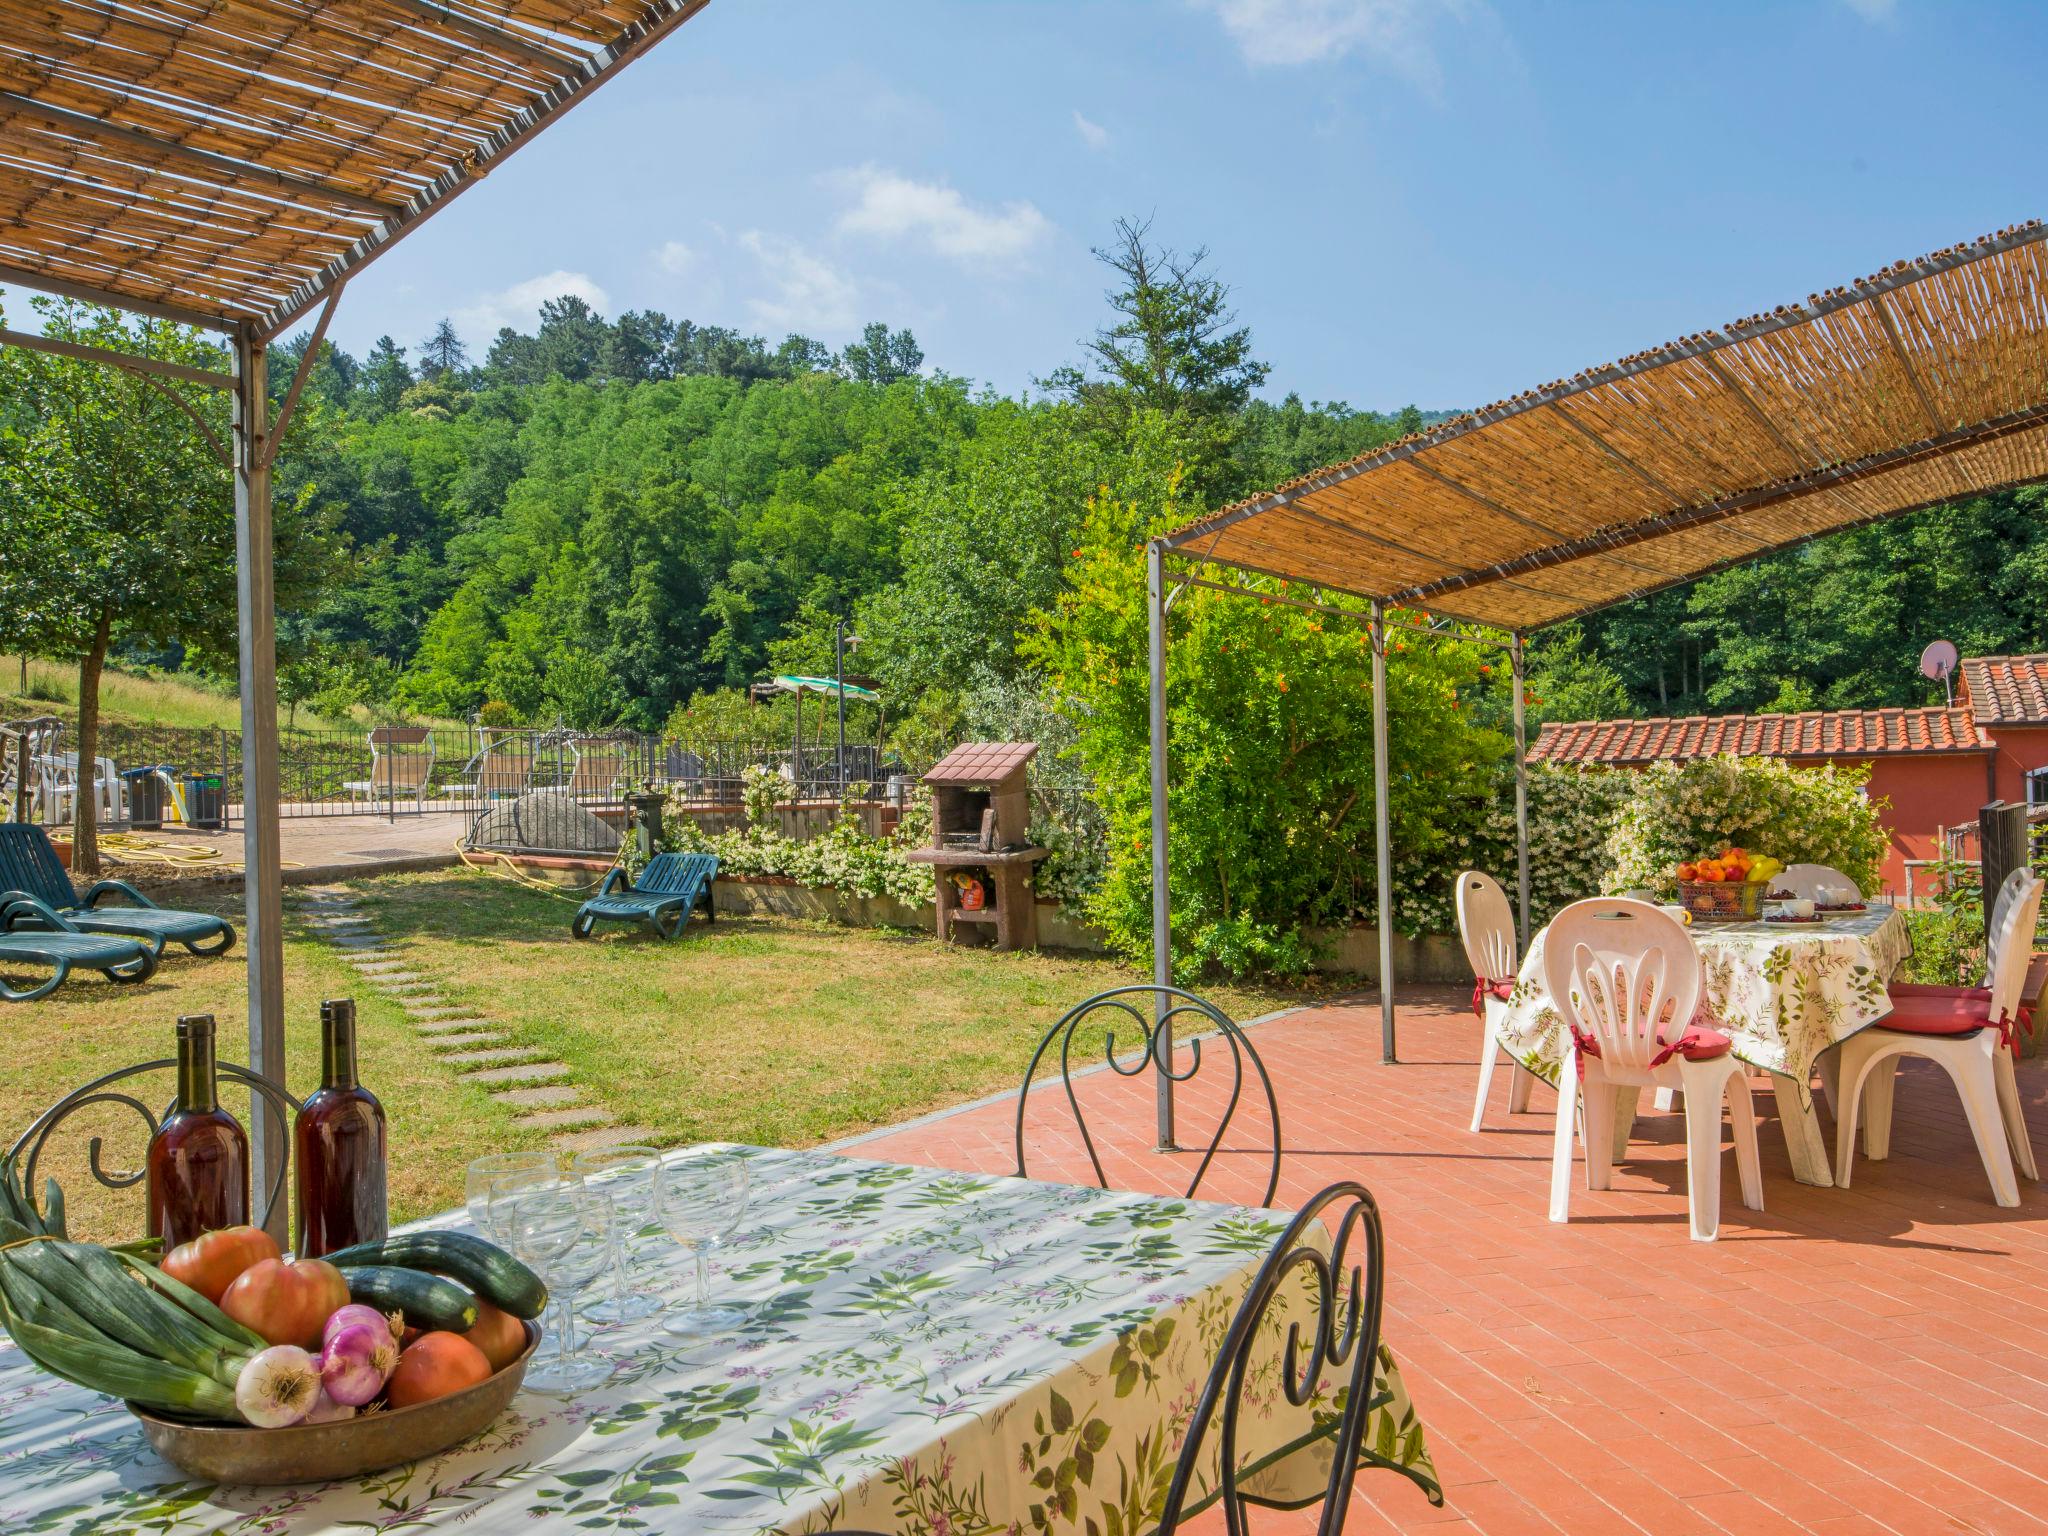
[1938, 662]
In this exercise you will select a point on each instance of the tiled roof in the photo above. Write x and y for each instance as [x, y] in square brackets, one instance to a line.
[2006, 690]
[982, 762]
[1816, 734]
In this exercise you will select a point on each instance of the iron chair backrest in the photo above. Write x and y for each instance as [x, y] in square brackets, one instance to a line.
[1487, 925]
[1344, 1331]
[1152, 1008]
[2012, 947]
[101, 1090]
[1621, 973]
[28, 863]
[395, 761]
[1808, 879]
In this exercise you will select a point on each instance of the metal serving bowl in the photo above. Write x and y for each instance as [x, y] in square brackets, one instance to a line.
[318, 1453]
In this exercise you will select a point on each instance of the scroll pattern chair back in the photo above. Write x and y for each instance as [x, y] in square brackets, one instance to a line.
[1149, 1009]
[1807, 880]
[1343, 1335]
[1487, 925]
[1618, 972]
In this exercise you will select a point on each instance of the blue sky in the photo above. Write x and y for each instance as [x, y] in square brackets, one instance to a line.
[1441, 203]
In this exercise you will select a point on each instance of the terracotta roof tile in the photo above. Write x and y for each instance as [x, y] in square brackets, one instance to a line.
[2006, 690]
[982, 762]
[1815, 734]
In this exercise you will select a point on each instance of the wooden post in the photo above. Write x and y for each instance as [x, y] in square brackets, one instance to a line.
[1519, 660]
[262, 885]
[1382, 835]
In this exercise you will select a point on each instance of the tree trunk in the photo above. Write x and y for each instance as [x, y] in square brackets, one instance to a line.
[85, 844]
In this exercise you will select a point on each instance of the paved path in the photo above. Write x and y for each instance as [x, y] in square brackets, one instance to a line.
[537, 1089]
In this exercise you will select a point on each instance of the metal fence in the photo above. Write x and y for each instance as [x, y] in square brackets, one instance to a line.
[195, 774]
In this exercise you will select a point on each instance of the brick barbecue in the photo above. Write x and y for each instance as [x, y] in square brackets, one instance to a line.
[981, 834]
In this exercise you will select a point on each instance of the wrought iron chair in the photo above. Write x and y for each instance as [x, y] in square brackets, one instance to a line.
[1152, 1008]
[1343, 1330]
[101, 1090]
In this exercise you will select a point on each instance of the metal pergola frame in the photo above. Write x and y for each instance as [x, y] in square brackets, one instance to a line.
[254, 438]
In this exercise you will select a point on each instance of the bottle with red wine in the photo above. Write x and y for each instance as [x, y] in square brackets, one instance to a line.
[338, 1144]
[198, 1169]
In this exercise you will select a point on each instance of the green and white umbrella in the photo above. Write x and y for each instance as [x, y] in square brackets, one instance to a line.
[791, 683]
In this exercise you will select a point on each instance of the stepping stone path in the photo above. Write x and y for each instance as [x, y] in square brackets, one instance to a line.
[521, 1078]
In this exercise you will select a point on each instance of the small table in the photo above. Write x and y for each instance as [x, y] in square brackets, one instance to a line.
[927, 1351]
[1782, 992]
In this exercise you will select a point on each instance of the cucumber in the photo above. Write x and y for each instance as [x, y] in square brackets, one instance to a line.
[428, 1301]
[484, 1267]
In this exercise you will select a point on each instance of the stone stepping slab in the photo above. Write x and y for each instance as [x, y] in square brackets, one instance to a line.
[494, 1056]
[533, 1072]
[358, 940]
[440, 1029]
[394, 981]
[538, 1098]
[565, 1119]
[608, 1136]
[429, 1011]
[456, 1040]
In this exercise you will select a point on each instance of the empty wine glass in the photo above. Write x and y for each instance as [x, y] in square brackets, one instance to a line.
[628, 1175]
[503, 1170]
[563, 1232]
[699, 1202]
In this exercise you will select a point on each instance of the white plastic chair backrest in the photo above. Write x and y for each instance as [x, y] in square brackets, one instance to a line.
[1487, 925]
[2014, 882]
[2012, 941]
[1623, 972]
[1807, 879]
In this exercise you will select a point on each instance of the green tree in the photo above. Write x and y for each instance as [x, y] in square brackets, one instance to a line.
[442, 354]
[384, 379]
[882, 356]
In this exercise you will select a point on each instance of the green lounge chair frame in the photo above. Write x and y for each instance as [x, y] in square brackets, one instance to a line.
[32, 877]
[668, 890]
[57, 944]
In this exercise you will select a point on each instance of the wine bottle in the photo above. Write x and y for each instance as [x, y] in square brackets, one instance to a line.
[198, 1169]
[338, 1143]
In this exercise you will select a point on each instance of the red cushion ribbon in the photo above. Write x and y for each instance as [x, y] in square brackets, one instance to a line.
[1502, 987]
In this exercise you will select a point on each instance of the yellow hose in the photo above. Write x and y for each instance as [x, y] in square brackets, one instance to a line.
[134, 848]
[499, 866]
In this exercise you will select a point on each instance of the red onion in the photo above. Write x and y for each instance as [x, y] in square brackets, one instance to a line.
[352, 1314]
[357, 1361]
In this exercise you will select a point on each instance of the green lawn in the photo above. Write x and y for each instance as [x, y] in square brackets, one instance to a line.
[760, 1030]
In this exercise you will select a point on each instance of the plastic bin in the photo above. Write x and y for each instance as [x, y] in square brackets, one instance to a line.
[145, 797]
[205, 801]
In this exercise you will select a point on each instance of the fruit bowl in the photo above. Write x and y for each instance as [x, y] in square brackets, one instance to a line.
[1724, 901]
[318, 1453]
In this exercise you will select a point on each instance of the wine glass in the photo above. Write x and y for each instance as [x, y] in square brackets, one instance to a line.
[503, 1170]
[562, 1231]
[628, 1175]
[699, 1202]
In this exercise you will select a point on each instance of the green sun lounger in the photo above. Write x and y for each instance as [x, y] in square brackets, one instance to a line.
[668, 889]
[61, 947]
[29, 868]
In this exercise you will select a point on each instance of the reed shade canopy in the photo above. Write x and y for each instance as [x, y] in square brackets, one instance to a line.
[1922, 384]
[230, 163]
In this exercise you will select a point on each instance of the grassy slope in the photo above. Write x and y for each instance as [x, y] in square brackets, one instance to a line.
[755, 1030]
[134, 699]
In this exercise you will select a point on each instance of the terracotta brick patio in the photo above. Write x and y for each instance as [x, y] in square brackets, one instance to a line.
[1870, 1359]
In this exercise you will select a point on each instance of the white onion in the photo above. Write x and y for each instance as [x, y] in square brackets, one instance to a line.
[277, 1386]
[326, 1410]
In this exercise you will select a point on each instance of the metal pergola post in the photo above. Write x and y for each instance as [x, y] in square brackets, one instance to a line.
[1162, 906]
[1382, 834]
[262, 852]
[1519, 663]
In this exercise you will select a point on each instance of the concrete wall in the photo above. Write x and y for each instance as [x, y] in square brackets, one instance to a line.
[800, 821]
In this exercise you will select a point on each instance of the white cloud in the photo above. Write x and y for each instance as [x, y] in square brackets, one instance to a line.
[674, 257]
[1093, 134]
[893, 207]
[808, 293]
[1396, 32]
[519, 305]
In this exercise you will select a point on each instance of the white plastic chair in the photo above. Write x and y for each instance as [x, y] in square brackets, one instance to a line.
[1968, 1033]
[1626, 979]
[1809, 879]
[1487, 924]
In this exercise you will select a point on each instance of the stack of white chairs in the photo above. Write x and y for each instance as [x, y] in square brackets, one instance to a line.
[1487, 925]
[1971, 1034]
[1626, 979]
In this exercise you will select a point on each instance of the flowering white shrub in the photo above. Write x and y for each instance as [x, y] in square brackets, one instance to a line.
[842, 858]
[1683, 811]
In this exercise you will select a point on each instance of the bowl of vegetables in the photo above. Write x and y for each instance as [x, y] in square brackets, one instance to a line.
[246, 1367]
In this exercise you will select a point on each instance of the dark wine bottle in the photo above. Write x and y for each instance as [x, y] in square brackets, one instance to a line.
[198, 1171]
[338, 1144]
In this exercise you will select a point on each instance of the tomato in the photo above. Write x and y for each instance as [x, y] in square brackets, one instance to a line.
[499, 1334]
[435, 1365]
[212, 1260]
[286, 1303]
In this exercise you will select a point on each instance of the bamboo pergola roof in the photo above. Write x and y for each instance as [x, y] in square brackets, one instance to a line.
[231, 162]
[1924, 383]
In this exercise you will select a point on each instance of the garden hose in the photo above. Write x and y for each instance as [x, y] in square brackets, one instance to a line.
[133, 848]
[501, 867]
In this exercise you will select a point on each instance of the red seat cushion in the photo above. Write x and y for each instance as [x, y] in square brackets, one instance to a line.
[1698, 1043]
[1919, 1015]
[1917, 989]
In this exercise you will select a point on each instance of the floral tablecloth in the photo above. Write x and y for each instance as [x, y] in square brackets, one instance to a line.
[1782, 992]
[928, 1352]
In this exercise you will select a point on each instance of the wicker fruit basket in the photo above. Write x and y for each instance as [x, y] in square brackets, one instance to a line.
[1721, 901]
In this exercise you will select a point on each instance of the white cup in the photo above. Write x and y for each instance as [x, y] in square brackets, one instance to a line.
[1799, 906]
